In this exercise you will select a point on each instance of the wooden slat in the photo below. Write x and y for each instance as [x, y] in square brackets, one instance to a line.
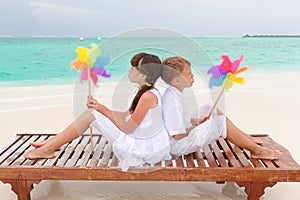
[77, 152]
[68, 152]
[219, 155]
[179, 162]
[9, 145]
[98, 151]
[229, 154]
[12, 149]
[168, 163]
[190, 160]
[200, 159]
[209, 156]
[106, 155]
[269, 164]
[240, 155]
[88, 152]
[16, 158]
[242, 158]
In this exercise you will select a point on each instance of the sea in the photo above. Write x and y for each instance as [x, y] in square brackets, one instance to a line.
[45, 60]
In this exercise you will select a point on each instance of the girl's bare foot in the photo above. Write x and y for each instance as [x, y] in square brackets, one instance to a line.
[266, 153]
[38, 153]
[41, 143]
[38, 144]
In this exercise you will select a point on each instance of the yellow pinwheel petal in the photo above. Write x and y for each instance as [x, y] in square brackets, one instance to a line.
[82, 53]
[239, 80]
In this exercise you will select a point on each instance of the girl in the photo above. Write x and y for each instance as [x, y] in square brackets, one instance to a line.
[137, 136]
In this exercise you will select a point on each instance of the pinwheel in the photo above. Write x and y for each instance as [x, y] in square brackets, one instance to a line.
[91, 64]
[97, 70]
[225, 75]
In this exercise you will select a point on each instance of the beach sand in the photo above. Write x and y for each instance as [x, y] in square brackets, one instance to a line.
[265, 104]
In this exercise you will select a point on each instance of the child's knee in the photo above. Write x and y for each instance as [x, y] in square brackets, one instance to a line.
[90, 113]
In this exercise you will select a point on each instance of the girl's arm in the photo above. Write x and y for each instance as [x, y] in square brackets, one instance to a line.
[121, 114]
[147, 101]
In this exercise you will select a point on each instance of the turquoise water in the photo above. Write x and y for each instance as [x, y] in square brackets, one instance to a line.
[33, 61]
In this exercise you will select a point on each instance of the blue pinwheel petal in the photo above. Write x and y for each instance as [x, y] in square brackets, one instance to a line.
[215, 82]
[101, 61]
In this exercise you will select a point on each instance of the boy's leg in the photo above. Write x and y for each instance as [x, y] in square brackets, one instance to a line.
[73, 131]
[238, 137]
[256, 140]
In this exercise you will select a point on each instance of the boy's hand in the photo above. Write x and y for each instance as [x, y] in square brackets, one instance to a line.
[203, 119]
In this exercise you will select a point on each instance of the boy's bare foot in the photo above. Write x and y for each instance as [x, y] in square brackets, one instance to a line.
[38, 153]
[266, 153]
[256, 140]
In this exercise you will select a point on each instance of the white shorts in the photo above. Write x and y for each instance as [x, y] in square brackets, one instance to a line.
[201, 135]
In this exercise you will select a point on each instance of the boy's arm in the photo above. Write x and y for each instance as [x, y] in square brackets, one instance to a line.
[182, 135]
[197, 121]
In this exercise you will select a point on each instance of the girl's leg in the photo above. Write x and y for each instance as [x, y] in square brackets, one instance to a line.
[238, 137]
[73, 131]
[41, 143]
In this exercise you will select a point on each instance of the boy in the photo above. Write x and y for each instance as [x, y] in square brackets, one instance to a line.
[190, 134]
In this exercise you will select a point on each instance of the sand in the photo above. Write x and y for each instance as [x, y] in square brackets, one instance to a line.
[265, 104]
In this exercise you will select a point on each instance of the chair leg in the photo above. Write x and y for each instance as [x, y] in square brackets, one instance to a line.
[255, 190]
[21, 187]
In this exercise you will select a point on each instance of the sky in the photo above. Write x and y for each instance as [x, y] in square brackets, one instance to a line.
[228, 18]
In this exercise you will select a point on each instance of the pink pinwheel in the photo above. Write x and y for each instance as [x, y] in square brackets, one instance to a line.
[224, 75]
[97, 70]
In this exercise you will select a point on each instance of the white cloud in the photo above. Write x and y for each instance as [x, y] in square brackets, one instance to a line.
[192, 17]
[42, 7]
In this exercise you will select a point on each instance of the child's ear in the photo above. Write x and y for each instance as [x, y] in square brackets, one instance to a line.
[175, 81]
[144, 76]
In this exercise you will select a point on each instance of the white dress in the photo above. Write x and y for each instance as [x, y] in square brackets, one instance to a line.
[148, 143]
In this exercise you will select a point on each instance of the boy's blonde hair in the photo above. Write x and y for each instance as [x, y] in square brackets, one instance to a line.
[173, 67]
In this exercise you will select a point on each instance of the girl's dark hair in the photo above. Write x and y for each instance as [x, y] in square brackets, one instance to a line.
[150, 65]
[136, 58]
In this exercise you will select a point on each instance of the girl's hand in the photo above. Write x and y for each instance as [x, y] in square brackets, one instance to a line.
[91, 102]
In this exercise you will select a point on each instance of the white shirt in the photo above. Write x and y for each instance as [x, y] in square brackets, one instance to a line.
[175, 111]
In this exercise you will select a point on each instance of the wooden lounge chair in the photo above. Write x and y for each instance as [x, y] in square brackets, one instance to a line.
[219, 162]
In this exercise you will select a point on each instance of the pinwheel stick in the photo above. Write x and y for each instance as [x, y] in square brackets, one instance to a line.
[219, 97]
[89, 91]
